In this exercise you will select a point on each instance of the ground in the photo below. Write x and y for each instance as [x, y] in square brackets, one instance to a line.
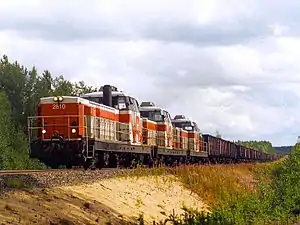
[114, 197]
[111, 201]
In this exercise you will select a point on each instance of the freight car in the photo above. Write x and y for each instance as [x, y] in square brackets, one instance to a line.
[109, 129]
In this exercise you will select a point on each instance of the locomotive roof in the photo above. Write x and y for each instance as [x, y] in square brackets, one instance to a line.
[150, 108]
[182, 120]
[100, 94]
[72, 98]
[75, 99]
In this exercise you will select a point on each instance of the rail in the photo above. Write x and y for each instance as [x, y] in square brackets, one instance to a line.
[19, 172]
[8, 172]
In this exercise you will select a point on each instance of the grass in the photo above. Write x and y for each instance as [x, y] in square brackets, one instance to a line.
[257, 193]
[236, 194]
[16, 183]
[217, 185]
[246, 194]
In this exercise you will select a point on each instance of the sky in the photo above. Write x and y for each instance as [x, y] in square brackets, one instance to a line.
[229, 65]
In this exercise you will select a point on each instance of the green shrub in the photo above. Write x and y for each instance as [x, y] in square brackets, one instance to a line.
[277, 201]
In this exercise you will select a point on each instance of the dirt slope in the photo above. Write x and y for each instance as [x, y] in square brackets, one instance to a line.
[109, 201]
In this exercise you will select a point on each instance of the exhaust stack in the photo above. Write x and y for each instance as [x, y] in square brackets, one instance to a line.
[107, 95]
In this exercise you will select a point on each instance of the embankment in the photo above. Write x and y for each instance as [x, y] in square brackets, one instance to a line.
[121, 197]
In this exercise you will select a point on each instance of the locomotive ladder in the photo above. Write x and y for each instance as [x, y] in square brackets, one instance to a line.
[88, 150]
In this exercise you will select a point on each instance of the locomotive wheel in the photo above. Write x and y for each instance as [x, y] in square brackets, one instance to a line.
[90, 164]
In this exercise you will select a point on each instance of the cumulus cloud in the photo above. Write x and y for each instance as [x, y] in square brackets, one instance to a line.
[230, 66]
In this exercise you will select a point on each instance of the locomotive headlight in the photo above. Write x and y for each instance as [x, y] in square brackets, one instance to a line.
[44, 131]
[55, 99]
[73, 131]
[60, 98]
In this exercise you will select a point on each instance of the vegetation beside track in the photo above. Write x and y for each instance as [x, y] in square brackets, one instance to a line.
[262, 193]
[274, 197]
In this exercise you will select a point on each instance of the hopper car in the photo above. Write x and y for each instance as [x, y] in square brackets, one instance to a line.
[109, 128]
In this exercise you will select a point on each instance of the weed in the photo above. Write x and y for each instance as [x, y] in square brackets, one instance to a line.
[139, 203]
[15, 183]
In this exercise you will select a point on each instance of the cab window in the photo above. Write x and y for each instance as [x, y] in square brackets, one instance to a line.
[152, 115]
[119, 102]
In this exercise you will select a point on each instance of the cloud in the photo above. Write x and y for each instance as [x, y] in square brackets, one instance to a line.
[231, 66]
[192, 22]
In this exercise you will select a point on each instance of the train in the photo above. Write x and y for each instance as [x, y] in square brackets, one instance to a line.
[109, 128]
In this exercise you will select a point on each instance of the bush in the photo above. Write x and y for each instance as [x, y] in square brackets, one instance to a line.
[277, 201]
[13, 143]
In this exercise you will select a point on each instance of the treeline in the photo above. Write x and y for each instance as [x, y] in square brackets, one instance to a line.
[20, 90]
[283, 149]
[265, 146]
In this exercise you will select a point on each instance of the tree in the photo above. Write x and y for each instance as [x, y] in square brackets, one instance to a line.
[265, 146]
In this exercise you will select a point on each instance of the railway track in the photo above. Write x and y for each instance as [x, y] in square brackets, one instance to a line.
[7, 172]
[11, 172]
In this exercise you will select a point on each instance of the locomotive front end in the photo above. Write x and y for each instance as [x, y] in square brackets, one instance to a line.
[55, 134]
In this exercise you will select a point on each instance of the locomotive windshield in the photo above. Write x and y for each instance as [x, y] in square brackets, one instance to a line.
[187, 125]
[94, 99]
[153, 115]
[156, 115]
[118, 101]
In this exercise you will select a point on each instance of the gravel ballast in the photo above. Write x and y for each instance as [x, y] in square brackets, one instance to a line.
[49, 179]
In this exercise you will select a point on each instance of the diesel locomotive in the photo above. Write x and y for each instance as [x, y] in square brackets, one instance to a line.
[109, 128]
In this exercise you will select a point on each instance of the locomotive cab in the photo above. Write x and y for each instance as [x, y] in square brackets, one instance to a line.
[110, 96]
[195, 138]
[129, 127]
[150, 111]
[186, 124]
[163, 122]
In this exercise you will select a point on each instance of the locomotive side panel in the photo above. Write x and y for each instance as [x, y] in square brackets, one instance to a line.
[184, 137]
[176, 137]
[100, 122]
[164, 135]
[201, 143]
[149, 132]
[193, 140]
[129, 127]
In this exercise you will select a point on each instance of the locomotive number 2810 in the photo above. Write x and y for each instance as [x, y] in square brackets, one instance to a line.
[58, 106]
